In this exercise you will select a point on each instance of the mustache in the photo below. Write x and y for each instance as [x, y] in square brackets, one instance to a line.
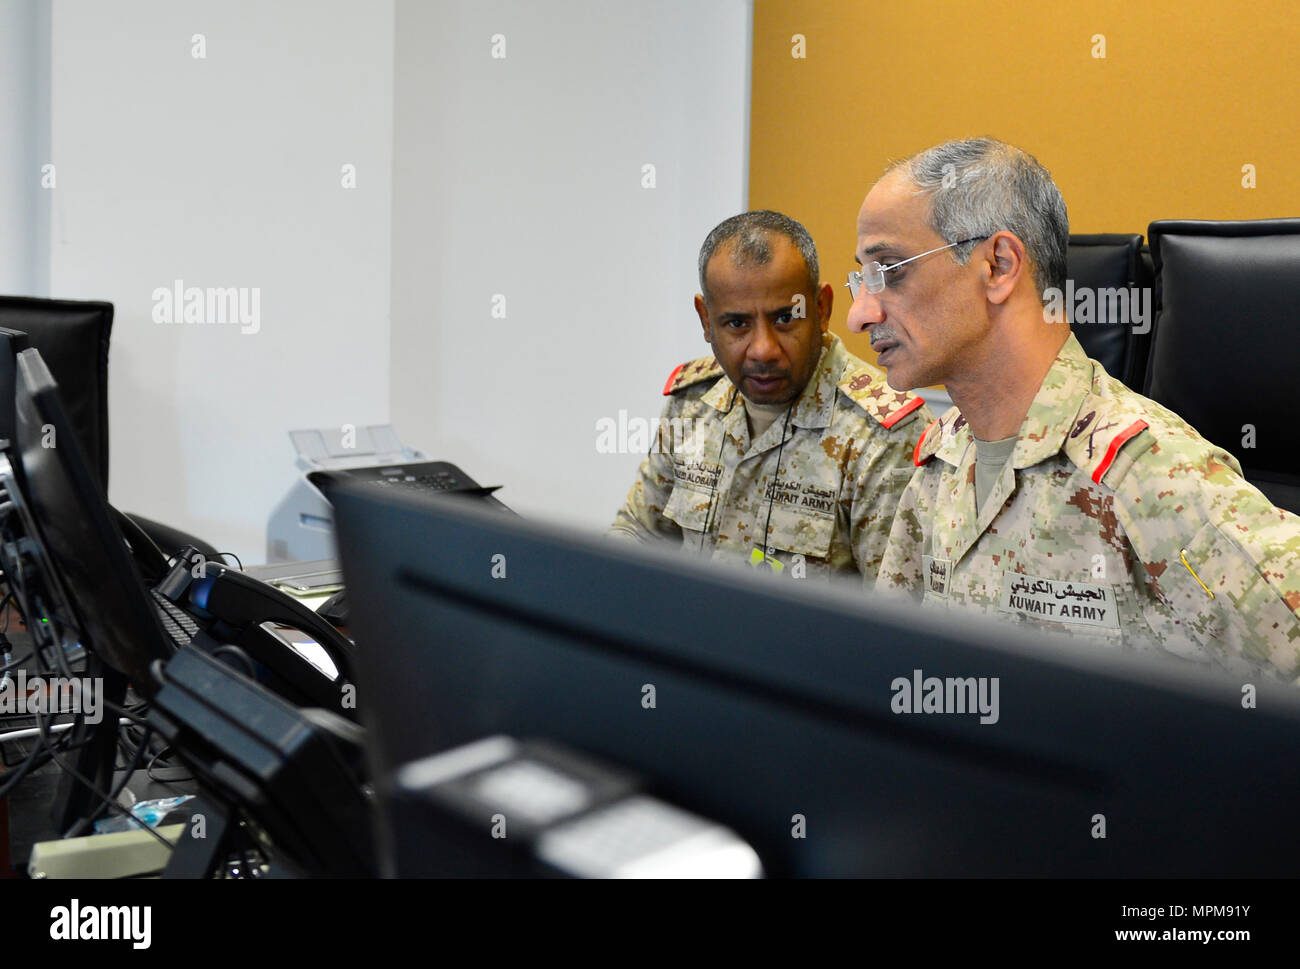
[881, 333]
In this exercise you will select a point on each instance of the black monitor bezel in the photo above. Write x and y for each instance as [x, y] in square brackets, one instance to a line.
[87, 551]
[1088, 730]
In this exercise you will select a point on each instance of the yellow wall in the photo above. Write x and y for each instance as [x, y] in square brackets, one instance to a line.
[1187, 94]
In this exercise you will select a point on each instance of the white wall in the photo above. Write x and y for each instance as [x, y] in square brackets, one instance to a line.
[476, 176]
[225, 172]
[522, 176]
[24, 140]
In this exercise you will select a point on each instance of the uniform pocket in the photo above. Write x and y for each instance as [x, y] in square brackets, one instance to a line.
[689, 509]
[809, 535]
[1227, 606]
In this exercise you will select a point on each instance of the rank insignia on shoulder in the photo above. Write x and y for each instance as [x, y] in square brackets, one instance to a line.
[1105, 441]
[928, 443]
[689, 374]
[1113, 449]
[870, 391]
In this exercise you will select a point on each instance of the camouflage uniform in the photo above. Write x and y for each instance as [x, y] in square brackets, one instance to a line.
[847, 458]
[1119, 522]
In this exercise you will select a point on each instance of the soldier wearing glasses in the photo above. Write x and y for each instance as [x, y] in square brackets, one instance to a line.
[1051, 494]
[781, 449]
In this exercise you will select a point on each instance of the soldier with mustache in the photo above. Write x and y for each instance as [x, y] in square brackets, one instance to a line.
[1051, 494]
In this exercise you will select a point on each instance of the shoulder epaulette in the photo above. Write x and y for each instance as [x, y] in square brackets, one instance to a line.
[869, 390]
[689, 374]
[937, 433]
[1104, 430]
[928, 443]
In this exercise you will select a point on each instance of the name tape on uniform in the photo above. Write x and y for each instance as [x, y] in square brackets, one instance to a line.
[697, 473]
[1057, 600]
[935, 573]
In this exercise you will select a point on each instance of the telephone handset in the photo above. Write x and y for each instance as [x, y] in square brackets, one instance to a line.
[237, 605]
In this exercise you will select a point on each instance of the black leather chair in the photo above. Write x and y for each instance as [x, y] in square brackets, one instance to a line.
[1112, 262]
[72, 337]
[1225, 352]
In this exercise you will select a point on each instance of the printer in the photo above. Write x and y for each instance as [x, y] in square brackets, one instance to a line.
[301, 526]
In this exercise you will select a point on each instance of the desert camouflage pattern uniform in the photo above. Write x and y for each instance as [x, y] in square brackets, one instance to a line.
[1113, 520]
[846, 459]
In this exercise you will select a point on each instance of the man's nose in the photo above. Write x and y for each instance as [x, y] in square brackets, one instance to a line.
[763, 345]
[865, 311]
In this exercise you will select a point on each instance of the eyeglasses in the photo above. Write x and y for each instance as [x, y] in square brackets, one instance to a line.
[872, 275]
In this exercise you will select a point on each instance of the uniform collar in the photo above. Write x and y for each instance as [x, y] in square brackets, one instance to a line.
[1055, 406]
[1049, 420]
[817, 402]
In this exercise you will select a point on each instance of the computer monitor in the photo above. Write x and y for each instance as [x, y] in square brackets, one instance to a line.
[222, 726]
[104, 590]
[67, 573]
[807, 719]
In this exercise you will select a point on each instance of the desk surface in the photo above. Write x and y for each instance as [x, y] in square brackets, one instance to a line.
[315, 570]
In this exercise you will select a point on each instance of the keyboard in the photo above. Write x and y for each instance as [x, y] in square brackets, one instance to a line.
[176, 622]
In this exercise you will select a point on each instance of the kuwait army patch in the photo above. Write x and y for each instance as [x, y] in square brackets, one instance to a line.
[1058, 600]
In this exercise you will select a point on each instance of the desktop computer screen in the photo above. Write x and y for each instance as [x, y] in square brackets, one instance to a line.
[838, 734]
[105, 591]
[67, 567]
[288, 768]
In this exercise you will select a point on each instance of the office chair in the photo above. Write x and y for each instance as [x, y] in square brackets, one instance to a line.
[72, 336]
[1112, 262]
[1224, 351]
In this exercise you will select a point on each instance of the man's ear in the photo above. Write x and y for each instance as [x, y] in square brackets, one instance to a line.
[1007, 262]
[825, 300]
[703, 312]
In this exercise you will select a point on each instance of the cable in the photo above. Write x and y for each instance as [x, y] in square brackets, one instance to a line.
[128, 713]
[39, 756]
[26, 732]
[713, 489]
[9, 597]
[131, 768]
[34, 589]
[90, 786]
[148, 772]
[129, 738]
[48, 750]
[775, 479]
[18, 662]
[13, 778]
[233, 556]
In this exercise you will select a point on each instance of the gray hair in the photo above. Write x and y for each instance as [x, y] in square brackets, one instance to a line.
[751, 234]
[981, 186]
